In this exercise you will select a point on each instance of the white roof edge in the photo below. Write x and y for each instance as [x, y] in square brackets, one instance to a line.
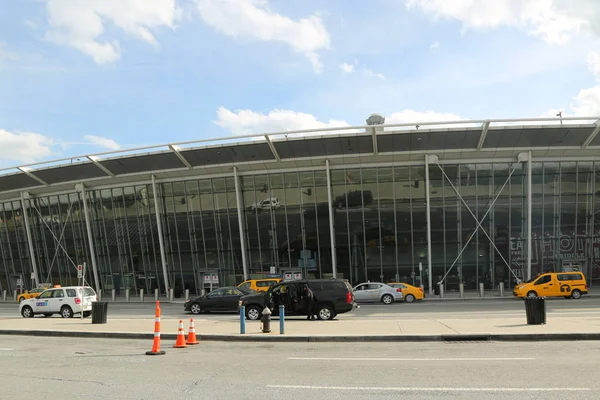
[115, 153]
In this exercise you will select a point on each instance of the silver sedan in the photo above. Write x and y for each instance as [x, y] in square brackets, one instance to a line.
[376, 292]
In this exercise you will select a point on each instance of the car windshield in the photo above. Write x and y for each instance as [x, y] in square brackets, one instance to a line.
[246, 290]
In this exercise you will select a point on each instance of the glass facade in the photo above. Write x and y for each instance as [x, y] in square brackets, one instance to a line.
[478, 227]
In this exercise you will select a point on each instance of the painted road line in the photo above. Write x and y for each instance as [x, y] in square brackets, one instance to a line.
[410, 359]
[430, 389]
[5, 349]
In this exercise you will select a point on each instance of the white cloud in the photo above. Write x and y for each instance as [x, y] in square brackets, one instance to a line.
[244, 122]
[24, 147]
[100, 141]
[434, 45]
[593, 60]
[556, 21]
[370, 73]
[587, 101]
[30, 147]
[253, 19]
[80, 24]
[409, 116]
[420, 116]
[347, 68]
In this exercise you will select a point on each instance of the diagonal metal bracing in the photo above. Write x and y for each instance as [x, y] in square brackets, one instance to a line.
[62, 233]
[479, 222]
[53, 235]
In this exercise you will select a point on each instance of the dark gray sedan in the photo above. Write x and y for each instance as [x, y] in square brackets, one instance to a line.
[224, 299]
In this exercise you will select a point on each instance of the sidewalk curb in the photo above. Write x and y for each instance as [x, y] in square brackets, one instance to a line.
[535, 337]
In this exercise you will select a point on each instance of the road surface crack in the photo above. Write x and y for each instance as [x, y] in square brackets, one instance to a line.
[55, 379]
[399, 327]
[441, 323]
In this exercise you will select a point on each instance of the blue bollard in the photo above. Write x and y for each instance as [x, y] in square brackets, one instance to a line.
[242, 320]
[281, 320]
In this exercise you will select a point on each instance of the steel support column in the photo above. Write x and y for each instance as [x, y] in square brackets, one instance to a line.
[29, 240]
[88, 227]
[238, 200]
[529, 215]
[161, 243]
[331, 226]
[428, 159]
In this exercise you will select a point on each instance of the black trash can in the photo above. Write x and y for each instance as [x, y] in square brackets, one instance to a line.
[99, 311]
[535, 309]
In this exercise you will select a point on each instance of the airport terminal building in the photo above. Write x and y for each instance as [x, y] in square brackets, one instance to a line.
[485, 201]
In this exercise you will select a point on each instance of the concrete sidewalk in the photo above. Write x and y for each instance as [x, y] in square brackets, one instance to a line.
[344, 328]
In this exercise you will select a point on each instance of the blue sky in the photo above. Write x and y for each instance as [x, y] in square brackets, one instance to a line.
[84, 76]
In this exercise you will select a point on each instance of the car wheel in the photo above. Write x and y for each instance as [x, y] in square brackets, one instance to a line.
[195, 308]
[325, 313]
[27, 312]
[48, 314]
[253, 313]
[532, 294]
[409, 298]
[576, 294]
[66, 312]
[387, 299]
[86, 314]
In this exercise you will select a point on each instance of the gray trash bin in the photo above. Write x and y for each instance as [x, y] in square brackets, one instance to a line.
[535, 310]
[99, 312]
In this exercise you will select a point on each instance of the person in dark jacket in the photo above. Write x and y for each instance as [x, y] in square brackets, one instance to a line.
[310, 302]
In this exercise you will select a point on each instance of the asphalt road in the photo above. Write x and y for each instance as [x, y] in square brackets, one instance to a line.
[587, 306]
[118, 369]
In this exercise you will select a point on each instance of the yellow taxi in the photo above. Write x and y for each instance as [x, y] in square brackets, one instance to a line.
[570, 285]
[30, 294]
[34, 292]
[260, 285]
[409, 292]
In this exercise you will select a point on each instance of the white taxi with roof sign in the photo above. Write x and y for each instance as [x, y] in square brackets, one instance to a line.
[66, 301]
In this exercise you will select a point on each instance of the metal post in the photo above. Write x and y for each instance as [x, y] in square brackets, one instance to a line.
[441, 286]
[15, 295]
[428, 213]
[114, 295]
[331, 227]
[161, 243]
[238, 200]
[481, 289]
[281, 320]
[171, 294]
[242, 320]
[29, 241]
[187, 294]
[142, 295]
[501, 289]
[4, 294]
[88, 227]
[461, 290]
[529, 215]
[127, 295]
[155, 294]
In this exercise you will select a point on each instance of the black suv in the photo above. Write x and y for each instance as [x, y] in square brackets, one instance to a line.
[332, 297]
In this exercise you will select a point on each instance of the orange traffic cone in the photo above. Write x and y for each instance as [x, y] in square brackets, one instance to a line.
[156, 351]
[191, 339]
[180, 343]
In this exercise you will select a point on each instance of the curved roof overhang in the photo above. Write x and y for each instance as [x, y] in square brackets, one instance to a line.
[546, 138]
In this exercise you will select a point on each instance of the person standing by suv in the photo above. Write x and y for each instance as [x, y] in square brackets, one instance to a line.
[310, 302]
